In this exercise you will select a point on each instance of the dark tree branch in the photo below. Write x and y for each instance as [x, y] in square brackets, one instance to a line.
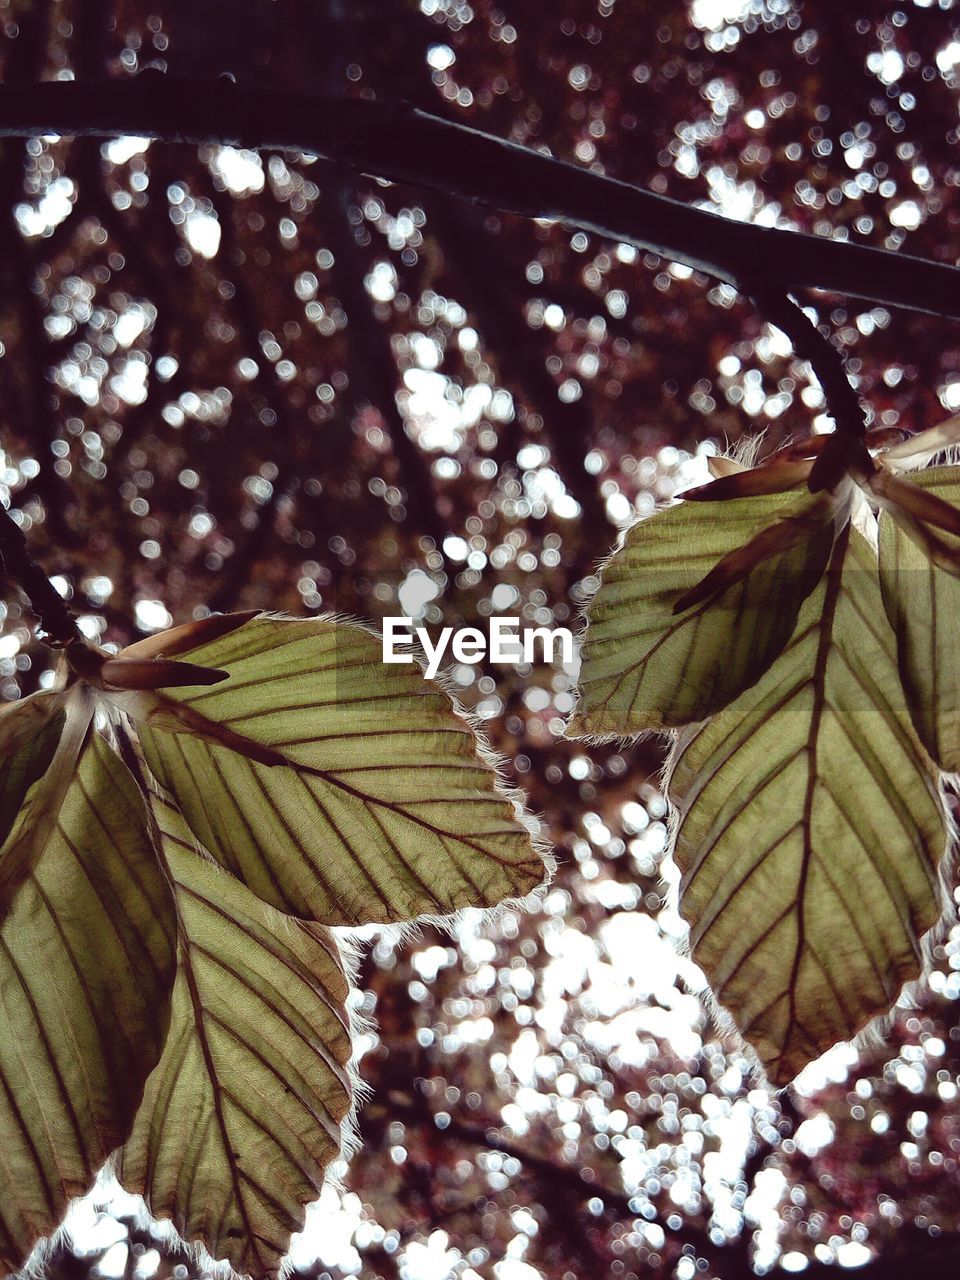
[56, 619]
[393, 140]
[921, 1251]
[242, 565]
[519, 354]
[371, 365]
[414, 1110]
[34, 356]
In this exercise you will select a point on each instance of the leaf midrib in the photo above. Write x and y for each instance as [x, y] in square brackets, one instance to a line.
[333, 780]
[200, 1030]
[834, 584]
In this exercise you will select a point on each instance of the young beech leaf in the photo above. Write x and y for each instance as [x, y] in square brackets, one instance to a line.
[87, 958]
[243, 1113]
[29, 733]
[916, 451]
[39, 813]
[923, 605]
[810, 829]
[647, 668]
[336, 787]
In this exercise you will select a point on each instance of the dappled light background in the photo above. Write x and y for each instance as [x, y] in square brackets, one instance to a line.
[236, 380]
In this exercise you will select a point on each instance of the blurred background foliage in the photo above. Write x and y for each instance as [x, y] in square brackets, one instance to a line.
[233, 380]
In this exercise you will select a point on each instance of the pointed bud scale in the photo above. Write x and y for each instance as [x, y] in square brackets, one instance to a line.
[777, 478]
[157, 673]
[189, 635]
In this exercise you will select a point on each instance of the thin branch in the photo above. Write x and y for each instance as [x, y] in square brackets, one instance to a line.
[58, 623]
[823, 357]
[398, 142]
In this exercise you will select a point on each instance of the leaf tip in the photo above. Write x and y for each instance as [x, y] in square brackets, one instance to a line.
[157, 673]
[575, 727]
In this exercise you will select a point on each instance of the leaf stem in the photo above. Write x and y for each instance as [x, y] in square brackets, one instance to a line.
[827, 362]
[58, 624]
[845, 453]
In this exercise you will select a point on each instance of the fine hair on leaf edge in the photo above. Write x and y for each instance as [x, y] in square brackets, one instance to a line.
[347, 944]
[876, 1031]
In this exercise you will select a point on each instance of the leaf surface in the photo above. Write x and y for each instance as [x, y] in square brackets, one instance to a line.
[810, 829]
[87, 957]
[646, 668]
[51, 735]
[923, 604]
[29, 733]
[242, 1115]
[336, 787]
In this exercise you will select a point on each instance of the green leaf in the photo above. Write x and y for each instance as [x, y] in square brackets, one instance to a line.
[923, 604]
[87, 958]
[29, 733]
[646, 668]
[243, 1113]
[810, 830]
[334, 786]
[40, 804]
